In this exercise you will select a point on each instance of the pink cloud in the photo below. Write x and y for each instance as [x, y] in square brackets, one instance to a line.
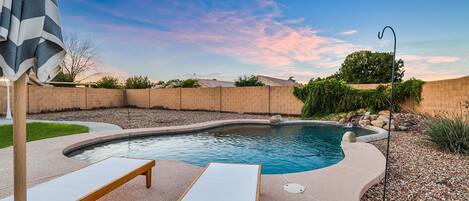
[443, 59]
[244, 35]
[420, 67]
[262, 40]
[429, 59]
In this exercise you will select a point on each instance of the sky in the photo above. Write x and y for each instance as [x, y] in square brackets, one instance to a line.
[224, 39]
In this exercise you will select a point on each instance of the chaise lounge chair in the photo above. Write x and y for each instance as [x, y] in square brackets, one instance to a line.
[227, 182]
[92, 182]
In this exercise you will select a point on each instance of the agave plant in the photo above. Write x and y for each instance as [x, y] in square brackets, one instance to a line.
[451, 133]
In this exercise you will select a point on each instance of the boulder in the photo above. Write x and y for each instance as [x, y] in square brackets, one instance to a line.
[349, 137]
[384, 112]
[373, 117]
[393, 127]
[361, 111]
[367, 113]
[383, 118]
[403, 128]
[378, 123]
[343, 120]
[364, 122]
[366, 117]
[276, 119]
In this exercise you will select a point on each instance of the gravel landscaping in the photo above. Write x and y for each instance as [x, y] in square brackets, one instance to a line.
[143, 118]
[418, 169]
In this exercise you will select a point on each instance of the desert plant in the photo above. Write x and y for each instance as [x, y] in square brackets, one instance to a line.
[451, 133]
[248, 81]
[108, 82]
[138, 82]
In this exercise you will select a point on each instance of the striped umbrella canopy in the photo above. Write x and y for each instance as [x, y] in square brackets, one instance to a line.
[30, 37]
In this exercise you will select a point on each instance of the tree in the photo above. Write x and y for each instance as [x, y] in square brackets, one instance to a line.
[138, 82]
[62, 77]
[108, 82]
[177, 83]
[190, 83]
[248, 81]
[369, 67]
[80, 58]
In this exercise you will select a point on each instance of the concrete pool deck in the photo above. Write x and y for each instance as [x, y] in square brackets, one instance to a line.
[362, 166]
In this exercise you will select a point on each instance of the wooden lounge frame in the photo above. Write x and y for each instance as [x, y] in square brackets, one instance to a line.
[145, 170]
[258, 187]
[92, 182]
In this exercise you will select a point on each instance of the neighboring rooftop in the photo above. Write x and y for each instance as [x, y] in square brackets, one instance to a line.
[272, 81]
[214, 83]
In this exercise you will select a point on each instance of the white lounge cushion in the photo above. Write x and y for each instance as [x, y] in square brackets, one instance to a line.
[227, 182]
[80, 183]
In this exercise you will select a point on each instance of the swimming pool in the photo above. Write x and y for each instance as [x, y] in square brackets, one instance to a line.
[280, 149]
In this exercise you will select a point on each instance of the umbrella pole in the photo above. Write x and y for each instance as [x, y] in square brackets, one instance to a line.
[19, 138]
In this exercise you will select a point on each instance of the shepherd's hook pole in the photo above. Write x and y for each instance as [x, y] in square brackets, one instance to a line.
[391, 107]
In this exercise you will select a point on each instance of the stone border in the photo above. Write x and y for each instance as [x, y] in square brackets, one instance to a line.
[146, 132]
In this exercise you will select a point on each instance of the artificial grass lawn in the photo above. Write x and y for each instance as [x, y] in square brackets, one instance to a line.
[38, 131]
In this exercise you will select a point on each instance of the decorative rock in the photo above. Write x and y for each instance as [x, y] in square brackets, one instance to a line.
[384, 112]
[361, 111]
[367, 113]
[383, 118]
[343, 120]
[276, 119]
[402, 128]
[378, 123]
[393, 127]
[373, 117]
[364, 122]
[349, 137]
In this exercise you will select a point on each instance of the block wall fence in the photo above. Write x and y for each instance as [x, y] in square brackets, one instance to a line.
[438, 97]
[260, 100]
[51, 99]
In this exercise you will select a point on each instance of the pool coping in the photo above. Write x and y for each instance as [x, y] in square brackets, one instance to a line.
[361, 167]
[108, 136]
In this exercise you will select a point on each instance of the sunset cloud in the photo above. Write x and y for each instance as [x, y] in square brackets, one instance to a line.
[252, 35]
[430, 59]
[165, 39]
[349, 32]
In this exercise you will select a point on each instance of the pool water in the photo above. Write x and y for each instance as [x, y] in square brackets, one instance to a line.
[280, 149]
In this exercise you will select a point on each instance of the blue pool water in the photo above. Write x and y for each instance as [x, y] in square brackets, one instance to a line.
[280, 149]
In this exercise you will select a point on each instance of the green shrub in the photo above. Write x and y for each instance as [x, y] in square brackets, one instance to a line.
[138, 82]
[63, 77]
[190, 83]
[327, 96]
[248, 81]
[108, 82]
[451, 133]
[177, 83]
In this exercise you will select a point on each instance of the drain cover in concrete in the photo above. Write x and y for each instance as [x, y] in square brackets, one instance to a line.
[294, 188]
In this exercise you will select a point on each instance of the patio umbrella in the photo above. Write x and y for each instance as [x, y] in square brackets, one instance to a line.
[30, 38]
